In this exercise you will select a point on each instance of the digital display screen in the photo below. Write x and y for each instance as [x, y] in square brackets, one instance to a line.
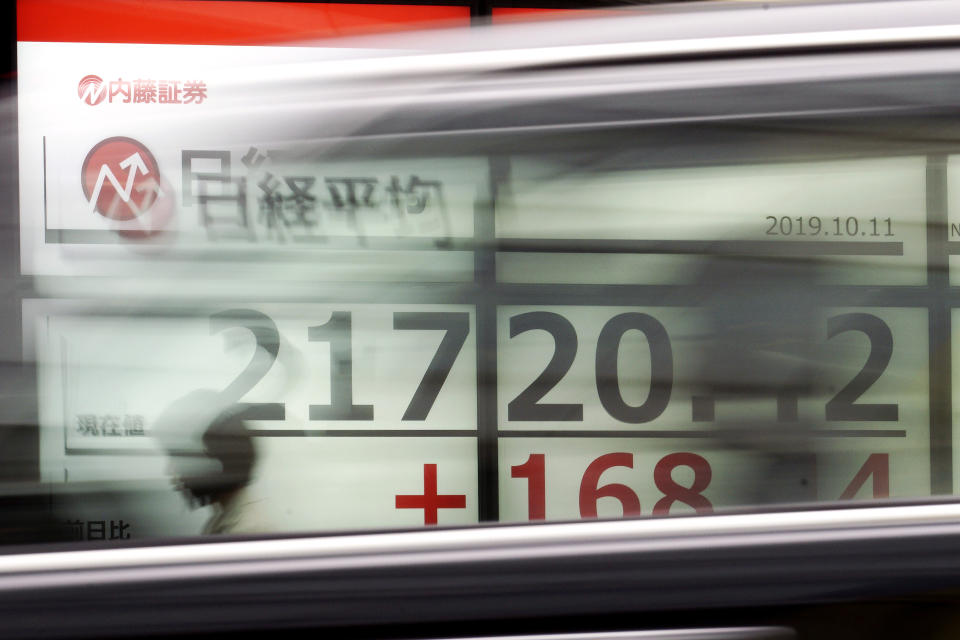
[265, 333]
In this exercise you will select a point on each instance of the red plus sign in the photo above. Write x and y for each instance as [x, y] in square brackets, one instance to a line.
[430, 501]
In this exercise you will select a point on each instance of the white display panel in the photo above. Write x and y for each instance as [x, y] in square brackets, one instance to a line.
[894, 398]
[741, 443]
[572, 478]
[108, 373]
[864, 218]
[398, 334]
[305, 367]
[228, 176]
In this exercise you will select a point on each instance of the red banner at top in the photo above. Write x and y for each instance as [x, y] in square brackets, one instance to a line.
[219, 22]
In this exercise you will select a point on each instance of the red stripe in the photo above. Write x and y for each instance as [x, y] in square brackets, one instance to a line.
[216, 21]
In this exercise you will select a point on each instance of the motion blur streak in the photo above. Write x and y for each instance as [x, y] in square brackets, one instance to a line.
[667, 262]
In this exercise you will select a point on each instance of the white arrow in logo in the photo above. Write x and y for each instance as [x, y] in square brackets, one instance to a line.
[135, 163]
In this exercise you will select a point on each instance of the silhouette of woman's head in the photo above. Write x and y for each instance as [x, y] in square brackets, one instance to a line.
[211, 450]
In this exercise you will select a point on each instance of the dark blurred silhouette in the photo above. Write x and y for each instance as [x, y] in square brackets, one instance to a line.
[211, 459]
[763, 317]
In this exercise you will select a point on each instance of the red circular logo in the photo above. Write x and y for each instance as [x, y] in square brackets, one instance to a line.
[92, 90]
[120, 178]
